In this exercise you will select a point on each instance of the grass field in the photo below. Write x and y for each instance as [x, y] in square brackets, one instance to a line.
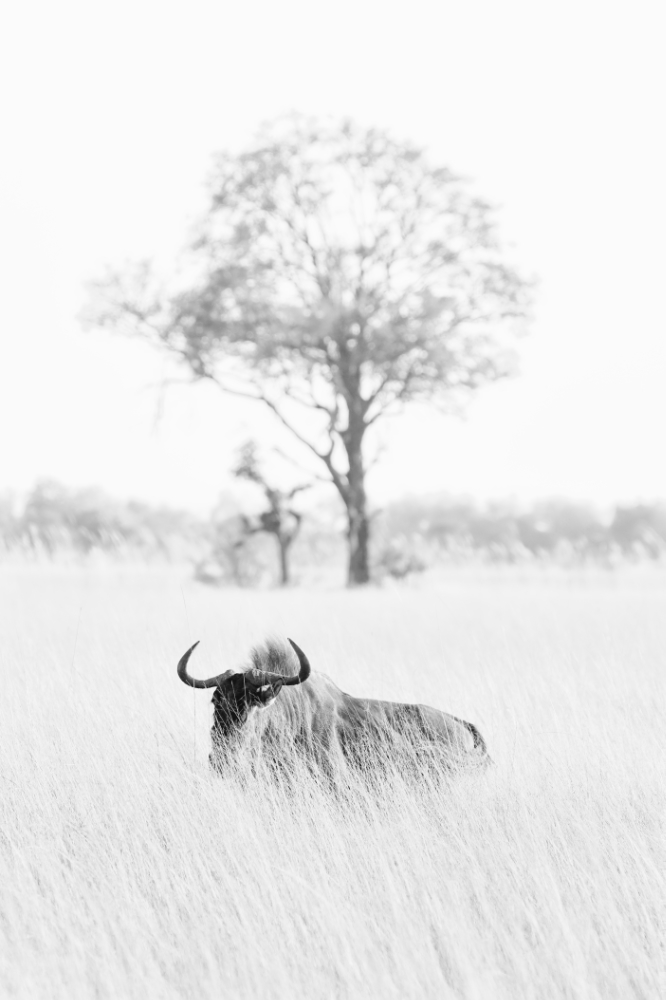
[127, 871]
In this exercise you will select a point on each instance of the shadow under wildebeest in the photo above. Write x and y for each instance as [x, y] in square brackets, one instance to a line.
[273, 717]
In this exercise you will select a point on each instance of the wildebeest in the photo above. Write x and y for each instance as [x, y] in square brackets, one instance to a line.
[269, 706]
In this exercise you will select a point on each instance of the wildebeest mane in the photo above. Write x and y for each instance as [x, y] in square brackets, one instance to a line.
[275, 656]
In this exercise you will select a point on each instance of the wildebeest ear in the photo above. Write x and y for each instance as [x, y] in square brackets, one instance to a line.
[225, 676]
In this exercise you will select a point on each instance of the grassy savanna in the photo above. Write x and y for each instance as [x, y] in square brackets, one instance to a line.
[128, 871]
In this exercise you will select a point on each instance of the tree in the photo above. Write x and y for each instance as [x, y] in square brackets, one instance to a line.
[281, 519]
[640, 529]
[337, 273]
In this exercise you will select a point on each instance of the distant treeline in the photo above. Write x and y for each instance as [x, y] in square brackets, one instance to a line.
[56, 522]
[52, 520]
[410, 535]
[425, 530]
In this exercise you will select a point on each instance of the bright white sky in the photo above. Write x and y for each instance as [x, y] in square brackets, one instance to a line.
[555, 110]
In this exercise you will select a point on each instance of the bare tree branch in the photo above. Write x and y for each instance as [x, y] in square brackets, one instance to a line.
[315, 475]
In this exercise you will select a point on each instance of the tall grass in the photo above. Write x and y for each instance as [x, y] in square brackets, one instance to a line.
[127, 870]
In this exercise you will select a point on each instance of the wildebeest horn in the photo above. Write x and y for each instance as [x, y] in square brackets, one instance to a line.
[305, 666]
[192, 681]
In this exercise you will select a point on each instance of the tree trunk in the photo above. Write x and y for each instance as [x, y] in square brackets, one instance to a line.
[358, 531]
[284, 544]
[359, 537]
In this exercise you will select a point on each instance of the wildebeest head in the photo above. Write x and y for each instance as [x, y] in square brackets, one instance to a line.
[237, 692]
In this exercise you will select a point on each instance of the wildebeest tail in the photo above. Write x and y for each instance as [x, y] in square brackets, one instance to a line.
[479, 742]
